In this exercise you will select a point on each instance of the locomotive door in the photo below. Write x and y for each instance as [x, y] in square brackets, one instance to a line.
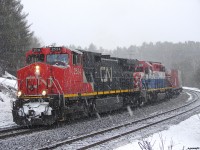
[77, 72]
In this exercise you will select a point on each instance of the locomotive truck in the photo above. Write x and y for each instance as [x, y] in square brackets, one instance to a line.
[57, 83]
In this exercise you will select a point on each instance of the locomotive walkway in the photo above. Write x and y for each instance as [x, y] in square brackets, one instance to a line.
[106, 135]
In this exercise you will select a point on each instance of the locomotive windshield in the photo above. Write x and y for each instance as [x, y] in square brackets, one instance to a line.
[35, 58]
[57, 59]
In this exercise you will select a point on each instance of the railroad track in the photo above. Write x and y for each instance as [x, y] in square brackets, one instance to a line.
[16, 131]
[12, 128]
[13, 132]
[102, 136]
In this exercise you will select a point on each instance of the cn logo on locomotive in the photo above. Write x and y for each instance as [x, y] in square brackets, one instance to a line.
[105, 74]
[40, 80]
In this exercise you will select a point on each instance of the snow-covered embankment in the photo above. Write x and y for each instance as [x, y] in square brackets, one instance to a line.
[8, 89]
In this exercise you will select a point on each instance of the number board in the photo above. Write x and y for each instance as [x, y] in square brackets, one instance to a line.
[54, 49]
[36, 49]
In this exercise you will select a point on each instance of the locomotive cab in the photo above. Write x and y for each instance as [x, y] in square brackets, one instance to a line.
[42, 84]
[50, 56]
[47, 67]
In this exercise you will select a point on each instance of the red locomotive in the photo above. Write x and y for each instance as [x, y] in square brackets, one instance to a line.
[58, 82]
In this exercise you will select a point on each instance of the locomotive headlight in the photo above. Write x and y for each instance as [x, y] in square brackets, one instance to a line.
[37, 67]
[44, 93]
[19, 93]
[37, 70]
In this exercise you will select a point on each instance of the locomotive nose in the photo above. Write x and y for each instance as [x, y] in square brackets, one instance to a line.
[35, 79]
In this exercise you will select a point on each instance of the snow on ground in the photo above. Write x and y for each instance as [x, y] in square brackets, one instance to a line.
[7, 92]
[8, 80]
[190, 88]
[5, 109]
[185, 135]
[9, 76]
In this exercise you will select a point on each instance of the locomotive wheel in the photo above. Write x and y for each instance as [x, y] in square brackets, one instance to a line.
[178, 92]
[86, 111]
[96, 112]
[141, 101]
[134, 102]
[93, 110]
[150, 98]
[168, 95]
[154, 97]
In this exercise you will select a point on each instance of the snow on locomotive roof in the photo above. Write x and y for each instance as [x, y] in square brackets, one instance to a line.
[107, 59]
[76, 51]
[85, 51]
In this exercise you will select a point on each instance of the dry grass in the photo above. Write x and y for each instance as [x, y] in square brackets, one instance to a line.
[146, 144]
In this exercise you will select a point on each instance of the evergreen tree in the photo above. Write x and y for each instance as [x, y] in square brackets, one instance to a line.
[15, 35]
[92, 48]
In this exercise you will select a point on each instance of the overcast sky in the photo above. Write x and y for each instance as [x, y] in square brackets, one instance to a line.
[112, 23]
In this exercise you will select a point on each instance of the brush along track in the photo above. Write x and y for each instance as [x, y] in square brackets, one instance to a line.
[99, 137]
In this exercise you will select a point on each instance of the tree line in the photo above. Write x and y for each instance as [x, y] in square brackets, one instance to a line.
[15, 35]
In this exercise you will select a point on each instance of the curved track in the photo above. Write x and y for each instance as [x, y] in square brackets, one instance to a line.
[102, 136]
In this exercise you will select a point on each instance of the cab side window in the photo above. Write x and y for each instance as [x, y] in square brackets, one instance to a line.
[77, 59]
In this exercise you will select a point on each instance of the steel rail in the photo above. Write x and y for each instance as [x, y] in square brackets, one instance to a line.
[9, 129]
[19, 131]
[13, 133]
